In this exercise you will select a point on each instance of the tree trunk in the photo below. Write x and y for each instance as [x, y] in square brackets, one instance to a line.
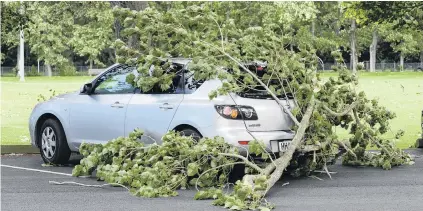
[338, 20]
[282, 162]
[38, 66]
[21, 56]
[401, 61]
[91, 64]
[338, 25]
[49, 73]
[353, 59]
[421, 58]
[17, 61]
[373, 48]
[313, 28]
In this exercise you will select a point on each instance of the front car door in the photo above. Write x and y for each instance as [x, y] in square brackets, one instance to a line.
[100, 116]
[154, 110]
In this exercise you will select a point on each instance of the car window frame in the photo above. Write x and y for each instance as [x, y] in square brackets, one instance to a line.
[96, 83]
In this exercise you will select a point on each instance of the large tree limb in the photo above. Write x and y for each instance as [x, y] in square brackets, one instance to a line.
[343, 113]
[284, 160]
[357, 120]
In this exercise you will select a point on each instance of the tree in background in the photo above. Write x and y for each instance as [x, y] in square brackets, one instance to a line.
[14, 21]
[50, 32]
[56, 31]
[405, 19]
[355, 15]
[92, 30]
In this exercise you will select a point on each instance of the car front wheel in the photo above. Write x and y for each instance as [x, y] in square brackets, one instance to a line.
[53, 144]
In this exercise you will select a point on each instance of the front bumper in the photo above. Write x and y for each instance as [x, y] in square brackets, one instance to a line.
[32, 122]
[31, 127]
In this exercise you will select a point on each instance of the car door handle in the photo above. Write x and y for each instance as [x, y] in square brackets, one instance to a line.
[117, 105]
[166, 106]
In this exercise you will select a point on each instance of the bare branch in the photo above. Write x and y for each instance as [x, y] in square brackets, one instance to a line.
[85, 185]
[246, 161]
[220, 30]
[226, 164]
[325, 167]
[343, 113]
[346, 148]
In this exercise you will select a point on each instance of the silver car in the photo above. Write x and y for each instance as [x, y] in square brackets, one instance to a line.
[109, 107]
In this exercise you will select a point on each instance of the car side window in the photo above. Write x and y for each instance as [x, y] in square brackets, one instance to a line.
[114, 81]
[176, 87]
[191, 84]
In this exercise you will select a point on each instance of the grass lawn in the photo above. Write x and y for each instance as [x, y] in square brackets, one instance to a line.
[18, 99]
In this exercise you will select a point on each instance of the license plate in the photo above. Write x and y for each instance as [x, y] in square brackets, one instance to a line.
[283, 146]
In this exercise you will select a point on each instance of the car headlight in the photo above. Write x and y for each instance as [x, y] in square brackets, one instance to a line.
[237, 112]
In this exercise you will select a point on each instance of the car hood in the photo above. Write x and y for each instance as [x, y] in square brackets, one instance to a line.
[65, 95]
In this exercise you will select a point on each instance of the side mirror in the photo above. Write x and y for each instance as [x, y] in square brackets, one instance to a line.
[86, 89]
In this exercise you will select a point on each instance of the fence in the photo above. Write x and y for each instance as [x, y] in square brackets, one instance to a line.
[379, 67]
[11, 71]
[83, 70]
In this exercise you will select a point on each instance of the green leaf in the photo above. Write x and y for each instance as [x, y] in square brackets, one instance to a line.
[192, 169]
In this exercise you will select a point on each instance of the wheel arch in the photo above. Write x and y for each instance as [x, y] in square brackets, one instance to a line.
[181, 127]
[40, 122]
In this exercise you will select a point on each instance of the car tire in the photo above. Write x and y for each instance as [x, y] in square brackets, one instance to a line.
[419, 143]
[191, 132]
[53, 145]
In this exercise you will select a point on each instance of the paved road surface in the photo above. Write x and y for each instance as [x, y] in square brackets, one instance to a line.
[351, 189]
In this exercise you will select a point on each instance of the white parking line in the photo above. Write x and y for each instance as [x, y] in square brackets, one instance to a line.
[38, 170]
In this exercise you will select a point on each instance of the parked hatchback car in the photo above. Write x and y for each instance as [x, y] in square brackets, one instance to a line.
[109, 107]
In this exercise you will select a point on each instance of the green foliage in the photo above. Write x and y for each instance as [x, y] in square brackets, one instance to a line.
[92, 29]
[67, 69]
[42, 98]
[56, 30]
[158, 170]
[33, 72]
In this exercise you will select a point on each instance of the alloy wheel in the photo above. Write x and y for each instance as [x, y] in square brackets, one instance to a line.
[48, 142]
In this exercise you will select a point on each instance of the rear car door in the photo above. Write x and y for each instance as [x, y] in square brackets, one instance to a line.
[154, 110]
[100, 116]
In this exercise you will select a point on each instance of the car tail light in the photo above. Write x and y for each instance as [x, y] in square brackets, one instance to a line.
[237, 112]
[243, 142]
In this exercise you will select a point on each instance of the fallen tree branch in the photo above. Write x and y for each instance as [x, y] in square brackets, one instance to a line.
[338, 114]
[245, 160]
[346, 148]
[284, 160]
[85, 185]
[325, 167]
[357, 120]
[227, 164]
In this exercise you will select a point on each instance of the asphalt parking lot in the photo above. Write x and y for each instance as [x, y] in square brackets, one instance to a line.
[352, 188]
